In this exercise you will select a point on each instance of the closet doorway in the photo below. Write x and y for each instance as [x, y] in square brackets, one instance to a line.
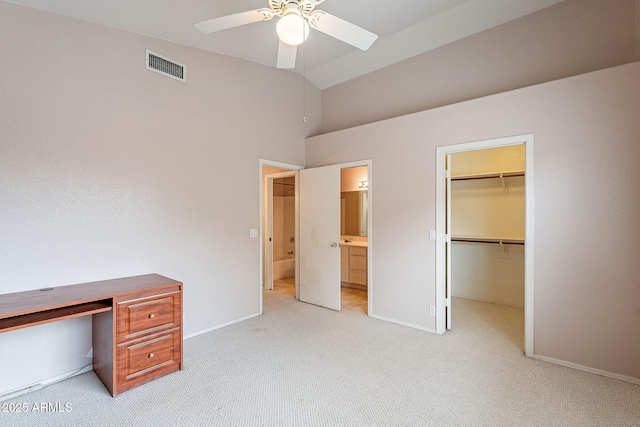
[484, 206]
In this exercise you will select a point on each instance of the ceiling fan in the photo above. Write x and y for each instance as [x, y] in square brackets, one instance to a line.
[295, 18]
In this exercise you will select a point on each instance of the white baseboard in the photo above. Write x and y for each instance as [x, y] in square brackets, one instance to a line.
[588, 369]
[398, 322]
[44, 383]
[204, 331]
[37, 386]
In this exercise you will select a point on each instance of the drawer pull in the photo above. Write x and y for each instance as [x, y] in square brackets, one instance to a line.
[151, 355]
[152, 315]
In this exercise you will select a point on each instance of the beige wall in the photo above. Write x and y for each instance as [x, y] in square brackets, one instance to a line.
[569, 38]
[491, 160]
[349, 178]
[483, 272]
[283, 226]
[109, 170]
[483, 208]
[586, 208]
[637, 30]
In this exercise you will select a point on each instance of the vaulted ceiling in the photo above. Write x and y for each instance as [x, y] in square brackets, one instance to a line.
[405, 28]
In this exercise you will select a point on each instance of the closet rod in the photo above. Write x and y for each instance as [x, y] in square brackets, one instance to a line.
[496, 241]
[488, 176]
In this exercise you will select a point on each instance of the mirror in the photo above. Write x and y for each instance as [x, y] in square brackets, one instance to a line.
[353, 213]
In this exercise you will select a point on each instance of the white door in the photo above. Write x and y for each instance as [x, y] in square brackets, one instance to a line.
[320, 236]
[447, 241]
[268, 243]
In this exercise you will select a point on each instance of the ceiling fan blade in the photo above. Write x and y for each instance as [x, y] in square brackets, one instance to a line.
[342, 30]
[235, 20]
[286, 56]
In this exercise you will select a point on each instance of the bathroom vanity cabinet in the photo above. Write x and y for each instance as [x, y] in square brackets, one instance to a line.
[353, 266]
[344, 263]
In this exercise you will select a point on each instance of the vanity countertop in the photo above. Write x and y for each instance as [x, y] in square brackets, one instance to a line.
[360, 244]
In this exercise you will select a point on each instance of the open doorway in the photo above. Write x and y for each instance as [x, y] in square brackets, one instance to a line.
[487, 240]
[280, 227]
[280, 231]
[354, 240]
[283, 234]
[317, 239]
[484, 221]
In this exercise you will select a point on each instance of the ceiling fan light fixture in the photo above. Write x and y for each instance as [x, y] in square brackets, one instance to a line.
[292, 28]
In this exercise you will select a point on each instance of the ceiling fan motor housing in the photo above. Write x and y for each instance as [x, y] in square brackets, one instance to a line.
[279, 7]
[296, 17]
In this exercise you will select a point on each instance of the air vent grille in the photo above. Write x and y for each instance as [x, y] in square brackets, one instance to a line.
[166, 66]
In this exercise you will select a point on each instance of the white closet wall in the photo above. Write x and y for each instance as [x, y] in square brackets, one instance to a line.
[491, 209]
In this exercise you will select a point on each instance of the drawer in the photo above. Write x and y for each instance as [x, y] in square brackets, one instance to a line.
[358, 251]
[145, 315]
[358, 277]
[358, 263]
[344, 263]
[147, 358]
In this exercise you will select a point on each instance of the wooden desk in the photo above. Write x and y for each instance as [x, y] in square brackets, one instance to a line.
[137, 324]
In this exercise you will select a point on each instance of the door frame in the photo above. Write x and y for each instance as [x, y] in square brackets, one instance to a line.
[370, 190]
[441, 212]
[291, 168]
[295, 168]
[268, 227]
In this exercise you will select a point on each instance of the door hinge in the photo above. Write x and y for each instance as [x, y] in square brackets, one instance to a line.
[447, 302]
[447, 173]
[447, 238]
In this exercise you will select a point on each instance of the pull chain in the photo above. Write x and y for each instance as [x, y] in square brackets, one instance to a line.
[304, 84]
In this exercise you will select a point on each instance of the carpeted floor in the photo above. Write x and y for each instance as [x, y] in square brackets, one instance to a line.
[301, 365]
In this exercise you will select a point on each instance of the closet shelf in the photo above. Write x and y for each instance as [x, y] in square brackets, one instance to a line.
[507, 174]
[487, 240]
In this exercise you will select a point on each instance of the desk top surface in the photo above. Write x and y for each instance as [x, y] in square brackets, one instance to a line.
[19, 303]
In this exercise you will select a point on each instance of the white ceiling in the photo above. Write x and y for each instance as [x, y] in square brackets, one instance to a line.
[405, 28]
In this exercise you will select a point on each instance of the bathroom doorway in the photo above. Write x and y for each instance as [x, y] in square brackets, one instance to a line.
[280, 227]
[329, 258]
[275, 175]
[354, 238]
[283, 229]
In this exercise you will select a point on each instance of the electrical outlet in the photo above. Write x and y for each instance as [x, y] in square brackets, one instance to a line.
[432, 310]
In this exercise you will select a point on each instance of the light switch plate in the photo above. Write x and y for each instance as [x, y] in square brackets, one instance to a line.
[432, 234]
[253, 232]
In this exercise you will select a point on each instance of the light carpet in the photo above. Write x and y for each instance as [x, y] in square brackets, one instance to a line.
[302, 365]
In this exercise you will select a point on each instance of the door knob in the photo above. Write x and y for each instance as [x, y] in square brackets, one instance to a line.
[334, 245]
